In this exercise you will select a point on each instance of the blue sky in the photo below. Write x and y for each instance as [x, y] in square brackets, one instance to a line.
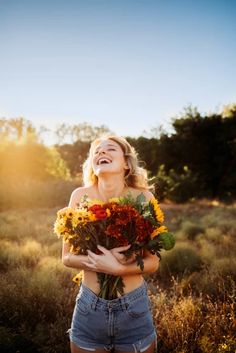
[131, 65]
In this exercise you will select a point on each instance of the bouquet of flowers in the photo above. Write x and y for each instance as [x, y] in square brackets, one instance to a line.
[119, 222]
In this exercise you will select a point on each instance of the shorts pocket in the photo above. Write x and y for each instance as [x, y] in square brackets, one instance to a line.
[82, 306]
[139, 308]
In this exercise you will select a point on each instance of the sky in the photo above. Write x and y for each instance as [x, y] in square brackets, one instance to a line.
[131, 65]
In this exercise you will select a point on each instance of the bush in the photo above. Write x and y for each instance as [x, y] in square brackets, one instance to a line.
[180, 262]
[33, 306]
[191, 230]
[178, 187]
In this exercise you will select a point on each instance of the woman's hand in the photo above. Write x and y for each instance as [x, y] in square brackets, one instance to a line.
[106, 262]
[121, 257]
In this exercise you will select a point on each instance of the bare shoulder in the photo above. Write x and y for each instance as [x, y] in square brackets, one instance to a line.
[136, 192]
[148, 195]
[78, 194]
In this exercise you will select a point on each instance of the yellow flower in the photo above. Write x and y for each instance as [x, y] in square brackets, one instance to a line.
[59, 227]
[162, 229]
[159, 230]
[80, 216]
[114, 199]
[154, 233]
[158, 212]
[69, 212]
[61, 213]
[78, 278]
[74, 222]
[67, 237]
[108, 212]
[95, 202]
[74, 249]
[91, 216]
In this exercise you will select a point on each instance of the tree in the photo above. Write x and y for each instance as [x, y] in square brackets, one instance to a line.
[23, 156]
[80, 132]
[206, 144]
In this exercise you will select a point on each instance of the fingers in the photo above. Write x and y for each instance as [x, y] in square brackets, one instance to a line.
[91, 262]
[93, 258]
[91, 254]
[89, 265]
[122, 248]
[102, 249]
[117, 249]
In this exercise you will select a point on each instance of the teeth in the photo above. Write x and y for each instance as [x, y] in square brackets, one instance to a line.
[103, 161]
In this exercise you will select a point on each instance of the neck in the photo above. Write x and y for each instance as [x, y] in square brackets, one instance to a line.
[108, 188]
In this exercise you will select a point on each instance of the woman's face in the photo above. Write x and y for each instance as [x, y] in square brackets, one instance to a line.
[108, 157]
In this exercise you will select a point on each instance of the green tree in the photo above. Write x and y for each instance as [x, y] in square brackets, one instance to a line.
[24, 156]
[206, 144]
[85, 132]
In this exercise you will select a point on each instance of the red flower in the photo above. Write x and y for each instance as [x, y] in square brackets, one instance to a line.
[99, 211]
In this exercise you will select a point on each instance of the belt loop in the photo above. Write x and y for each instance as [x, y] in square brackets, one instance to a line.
[124, 304]
[94, 303]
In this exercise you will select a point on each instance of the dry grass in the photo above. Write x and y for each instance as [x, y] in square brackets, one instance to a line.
[195, 324]
[193, 294]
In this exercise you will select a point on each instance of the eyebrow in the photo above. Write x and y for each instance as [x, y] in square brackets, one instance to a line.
[109, 145]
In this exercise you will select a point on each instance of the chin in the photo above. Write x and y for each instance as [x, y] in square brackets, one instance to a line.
[102, 171]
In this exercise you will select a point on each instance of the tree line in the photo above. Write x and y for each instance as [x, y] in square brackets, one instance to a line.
[196, 160]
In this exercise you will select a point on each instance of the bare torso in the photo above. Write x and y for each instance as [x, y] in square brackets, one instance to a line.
[131, 282]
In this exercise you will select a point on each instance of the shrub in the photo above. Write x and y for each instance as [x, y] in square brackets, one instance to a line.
[191, 230]
[33, 305]
[177, 186]
[180, 262]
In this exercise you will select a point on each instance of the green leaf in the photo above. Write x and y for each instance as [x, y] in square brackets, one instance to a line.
[167, 240]
[140, 262]
[141, 198]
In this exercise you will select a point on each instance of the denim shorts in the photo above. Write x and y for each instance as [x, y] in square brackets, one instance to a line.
[124, 323]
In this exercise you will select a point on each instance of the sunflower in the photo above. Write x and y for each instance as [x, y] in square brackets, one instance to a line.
[158, 212]
[157, 231]
[78, 278]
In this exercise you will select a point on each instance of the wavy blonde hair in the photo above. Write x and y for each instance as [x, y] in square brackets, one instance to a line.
[135, 177]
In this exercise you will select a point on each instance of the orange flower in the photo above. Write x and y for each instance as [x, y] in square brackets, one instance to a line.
[99, 211]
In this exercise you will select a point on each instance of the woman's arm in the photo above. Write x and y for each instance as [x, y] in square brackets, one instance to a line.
[110, 261]
[151, 265]
[107, 263]
[72, 260]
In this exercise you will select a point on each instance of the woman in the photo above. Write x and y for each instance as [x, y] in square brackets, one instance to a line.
[123, 324]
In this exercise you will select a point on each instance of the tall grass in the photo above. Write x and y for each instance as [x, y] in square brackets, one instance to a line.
[188, 323]
[193, 293]
[28, 193]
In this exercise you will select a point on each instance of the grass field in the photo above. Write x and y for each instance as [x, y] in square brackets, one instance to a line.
[193, 292]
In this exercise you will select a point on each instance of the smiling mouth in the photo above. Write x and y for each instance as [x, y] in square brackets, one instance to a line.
[103, 161]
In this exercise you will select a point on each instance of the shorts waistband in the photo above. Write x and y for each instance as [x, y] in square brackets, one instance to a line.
[116, 304]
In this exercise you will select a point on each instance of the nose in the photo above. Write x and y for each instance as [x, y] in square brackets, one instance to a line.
[101, 151]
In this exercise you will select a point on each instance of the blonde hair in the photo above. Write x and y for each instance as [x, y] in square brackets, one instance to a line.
[135, 177]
